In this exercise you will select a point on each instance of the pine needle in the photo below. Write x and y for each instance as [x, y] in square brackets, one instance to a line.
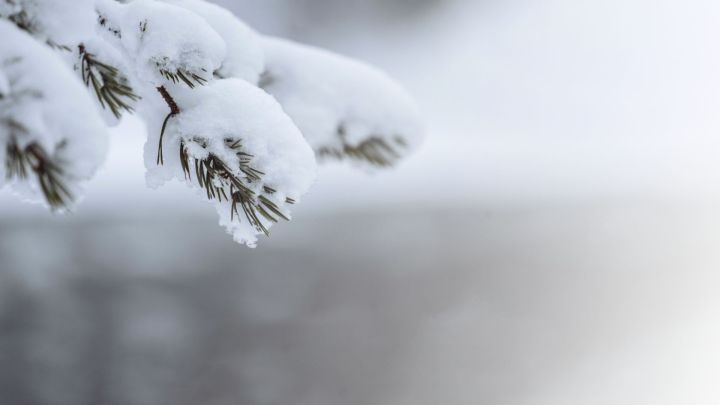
[19, 162]
[221, 183]
[110, 85]
[180, 75]
[374, 150]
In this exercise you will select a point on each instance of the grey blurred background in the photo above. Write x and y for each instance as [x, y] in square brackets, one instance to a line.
[555, 241]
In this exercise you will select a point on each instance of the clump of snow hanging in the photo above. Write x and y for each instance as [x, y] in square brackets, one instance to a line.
[43, 102]
[245, 58]
[232, 108]
[234, 111]
[160, 37]
[215, 112]
[200, 79]
[338, 102]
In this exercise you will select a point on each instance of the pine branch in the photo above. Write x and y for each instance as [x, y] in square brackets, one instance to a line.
[181, 75]
[25, 23]
[14, 161]
[174, 110]
[221, 183]
[111, 86]
[19, 162]
[32, 159]
[374, 150]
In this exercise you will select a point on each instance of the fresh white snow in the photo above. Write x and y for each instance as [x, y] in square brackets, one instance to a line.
[337, 101]
[42, 102]
[202, 78]
[245, 58]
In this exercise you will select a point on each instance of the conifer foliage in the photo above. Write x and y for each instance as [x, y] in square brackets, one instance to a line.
[240, 116]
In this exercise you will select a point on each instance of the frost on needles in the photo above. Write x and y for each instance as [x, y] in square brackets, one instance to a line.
[238, 116]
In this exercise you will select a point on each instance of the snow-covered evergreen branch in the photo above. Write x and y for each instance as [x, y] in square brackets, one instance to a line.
[111, 87]
[233, 113]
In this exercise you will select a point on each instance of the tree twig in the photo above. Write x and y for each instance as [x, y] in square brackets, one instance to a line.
[174, 110]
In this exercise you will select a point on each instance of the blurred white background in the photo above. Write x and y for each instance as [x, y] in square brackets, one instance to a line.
[554, 242]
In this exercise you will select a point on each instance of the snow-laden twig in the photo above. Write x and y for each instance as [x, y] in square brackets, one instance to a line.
[242, 112]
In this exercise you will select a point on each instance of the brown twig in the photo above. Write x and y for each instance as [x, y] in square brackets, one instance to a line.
[174, 110]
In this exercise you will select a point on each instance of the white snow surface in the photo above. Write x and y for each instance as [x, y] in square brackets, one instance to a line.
[337, 101]
[43, 96]
[317, 100]
[50, 19]
[158, 36]
[245, 57]
[235, 109]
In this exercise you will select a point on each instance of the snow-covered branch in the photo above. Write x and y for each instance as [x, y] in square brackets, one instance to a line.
[232, 113]
[53, 138]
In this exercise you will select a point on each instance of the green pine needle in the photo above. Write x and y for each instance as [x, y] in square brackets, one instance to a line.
[110, 85]
[220, 183]
[33, 158]
[374, 150]
[183, 76]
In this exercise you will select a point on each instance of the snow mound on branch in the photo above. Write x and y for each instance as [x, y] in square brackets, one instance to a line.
[43, 102]
[339, 104]
[196, 75]
[245, 57]
[235, 109]
[228, 111]
[164, 37]
[50, 19]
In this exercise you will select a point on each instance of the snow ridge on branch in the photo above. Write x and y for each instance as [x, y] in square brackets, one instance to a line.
[238, 116]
